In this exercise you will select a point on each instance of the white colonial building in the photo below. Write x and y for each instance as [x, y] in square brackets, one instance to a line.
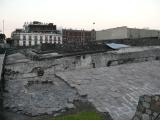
[36, 33]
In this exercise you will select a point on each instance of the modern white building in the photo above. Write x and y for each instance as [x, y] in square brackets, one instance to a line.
[36, 33]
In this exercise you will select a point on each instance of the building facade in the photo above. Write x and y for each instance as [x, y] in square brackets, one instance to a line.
[125, 33]
[76, 37]
[36, 33]
[2, 38]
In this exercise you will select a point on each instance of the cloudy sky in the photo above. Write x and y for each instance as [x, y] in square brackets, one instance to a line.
[80, 14]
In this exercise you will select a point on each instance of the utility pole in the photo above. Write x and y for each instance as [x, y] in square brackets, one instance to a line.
[93, 25]
[93, 32]
[3, 26]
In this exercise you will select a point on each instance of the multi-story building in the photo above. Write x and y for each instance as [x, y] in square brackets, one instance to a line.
[76, 37]
[2, 38]
[36, 33]
[125, 33]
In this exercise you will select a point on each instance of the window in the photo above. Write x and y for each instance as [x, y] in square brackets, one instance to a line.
[24, 37]
[41, 39]
[50, 38]
[59, 38]
[55, 39]
[24, 43]
[35, 37]
[29, 42]
[46, 38]
[35, 40]
[30, 37]
[93, 65]
[17, 43]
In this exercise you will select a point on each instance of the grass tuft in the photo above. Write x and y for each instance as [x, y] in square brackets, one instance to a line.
[80, 116]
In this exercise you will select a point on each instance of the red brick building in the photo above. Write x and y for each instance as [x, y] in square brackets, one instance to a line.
[76, 37]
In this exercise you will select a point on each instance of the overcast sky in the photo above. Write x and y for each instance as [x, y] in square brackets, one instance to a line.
[80, 14]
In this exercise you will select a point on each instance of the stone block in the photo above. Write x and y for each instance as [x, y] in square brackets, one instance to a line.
[70, 106]
[146, 104]
[141, 99]
[156, 98]
[147, 98]
[155, 106]
[155, 114]
[141, 108]
[148, 111]
[145, 117]
[138, 114]
[136, 118]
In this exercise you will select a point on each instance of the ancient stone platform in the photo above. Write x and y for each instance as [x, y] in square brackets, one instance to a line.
[30, 94]
[116, 89]
[38, 95]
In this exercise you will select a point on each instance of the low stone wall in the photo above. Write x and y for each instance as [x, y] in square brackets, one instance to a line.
[148, 108]
[133, 57]
[2, 61]
[32, 90]
[84, 61]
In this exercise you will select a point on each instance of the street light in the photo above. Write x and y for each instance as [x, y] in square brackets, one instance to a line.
[93, 32]
[93, 25]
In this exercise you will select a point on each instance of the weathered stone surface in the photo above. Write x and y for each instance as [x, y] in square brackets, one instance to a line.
[145, 117]
[117, 89]
[146, 104]
[31, 94]
[136, 118]
[36, 99]
[155, 115]
[156, 98]
[114, 89]
[147, 98]
[155, 106]
[148, 111]
[2, 56]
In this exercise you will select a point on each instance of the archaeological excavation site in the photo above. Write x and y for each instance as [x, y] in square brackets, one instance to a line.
[120, 84]
[48, 73]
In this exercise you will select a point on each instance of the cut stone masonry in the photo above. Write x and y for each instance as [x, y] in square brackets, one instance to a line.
[110, 88]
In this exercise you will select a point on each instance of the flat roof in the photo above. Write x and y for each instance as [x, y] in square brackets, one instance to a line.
[116, 45]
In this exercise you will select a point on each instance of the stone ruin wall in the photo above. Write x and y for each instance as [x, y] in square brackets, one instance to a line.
[24, 71]
[86, 61]
[133, 57]
[148, 108]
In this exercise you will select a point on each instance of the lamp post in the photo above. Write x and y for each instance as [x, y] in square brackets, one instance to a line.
[93, 32]
[3, 26]
[93, 25]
